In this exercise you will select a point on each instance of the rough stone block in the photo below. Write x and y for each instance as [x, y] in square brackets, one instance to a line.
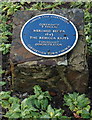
[50, 73]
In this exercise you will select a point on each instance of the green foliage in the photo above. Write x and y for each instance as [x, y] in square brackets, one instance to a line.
[4, 29]
[7, 9]
[1, 71]
[13, 105]
[77, 4]
[5, 48]
[10, 7]
[53, 113]
[5, 32]
[2, 83]
[35, 106]
[4, 95]
[88, 25]
[45, 6]
[79, 104]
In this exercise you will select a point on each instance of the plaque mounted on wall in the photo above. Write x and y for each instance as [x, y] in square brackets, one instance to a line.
[49, 35]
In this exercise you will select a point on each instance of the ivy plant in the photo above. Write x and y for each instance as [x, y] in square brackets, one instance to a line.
[10, 7]
[38, 105]
[78, 104]
[7, 9]
[34, 106]
[53, 113]
[5, 48]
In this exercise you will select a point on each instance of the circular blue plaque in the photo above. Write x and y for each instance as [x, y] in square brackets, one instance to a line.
[49, 35]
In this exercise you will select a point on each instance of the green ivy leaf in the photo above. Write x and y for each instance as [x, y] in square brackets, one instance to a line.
[40, 97]
[26, 113]
[85, 114]
[5, 95]
[87, 108]
[45, 115]
[78, 103]
[50, 110]
[37, 89]
[35, 115]
[14, 100]
[26, 104]
[13, 115]
[44, 104]
[5, 104]
[2, 83]
[37, 103]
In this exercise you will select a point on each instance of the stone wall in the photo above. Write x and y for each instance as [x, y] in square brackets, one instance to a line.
[65, 73]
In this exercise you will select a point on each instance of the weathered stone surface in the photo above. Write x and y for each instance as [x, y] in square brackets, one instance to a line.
[50, 77]
[50, 73]
[77, 57]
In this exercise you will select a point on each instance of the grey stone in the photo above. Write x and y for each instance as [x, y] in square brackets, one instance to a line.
[50, 73]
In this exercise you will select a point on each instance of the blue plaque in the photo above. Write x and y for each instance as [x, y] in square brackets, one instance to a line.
[49, 35]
